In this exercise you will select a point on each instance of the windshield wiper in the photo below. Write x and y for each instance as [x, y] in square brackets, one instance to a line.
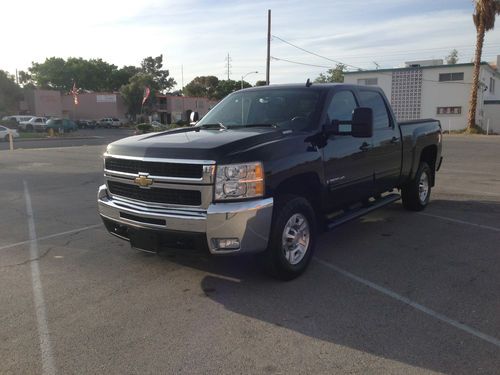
[220, 125]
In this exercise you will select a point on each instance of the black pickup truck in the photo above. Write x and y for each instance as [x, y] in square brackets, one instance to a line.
[266, 170]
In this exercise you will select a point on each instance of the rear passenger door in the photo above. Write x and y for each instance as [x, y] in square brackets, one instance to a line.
[348, 172]
[386, 153]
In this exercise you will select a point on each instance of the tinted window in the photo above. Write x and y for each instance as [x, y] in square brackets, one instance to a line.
[374, 100]
[285, 108]
[341, 106]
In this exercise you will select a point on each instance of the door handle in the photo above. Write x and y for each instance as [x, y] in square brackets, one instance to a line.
[394, 140]
[364, 147]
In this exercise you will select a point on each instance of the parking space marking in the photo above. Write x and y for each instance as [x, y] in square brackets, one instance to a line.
[417, 306]
[51, 236]
[40, 309]
[460, 221]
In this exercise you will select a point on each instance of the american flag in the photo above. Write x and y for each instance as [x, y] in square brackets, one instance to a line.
[147, 91]
[74, 92]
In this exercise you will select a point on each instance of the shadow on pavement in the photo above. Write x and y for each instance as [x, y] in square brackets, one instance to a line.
[329, 307]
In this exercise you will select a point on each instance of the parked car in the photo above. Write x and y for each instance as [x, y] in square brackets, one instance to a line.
[4, 133]
[18, 118]
[86, 124]
[61, 124]
[33, 124]
[109, 122]
[265, 178]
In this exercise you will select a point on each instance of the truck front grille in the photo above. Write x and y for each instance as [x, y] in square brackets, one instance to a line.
[157, 195]
[178, 170]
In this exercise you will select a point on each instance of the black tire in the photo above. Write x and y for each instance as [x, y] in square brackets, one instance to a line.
[273, 259]
[29, 128]
[412, 194]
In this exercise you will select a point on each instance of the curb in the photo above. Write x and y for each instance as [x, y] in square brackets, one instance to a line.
[55, 138]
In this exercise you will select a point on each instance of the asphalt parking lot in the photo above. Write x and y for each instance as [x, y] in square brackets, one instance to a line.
[394, 292]
[82, 137]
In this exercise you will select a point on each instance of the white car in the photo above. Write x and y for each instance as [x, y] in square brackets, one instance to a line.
[33, 124]
[4, 133]
[18, 118]
[109, 122]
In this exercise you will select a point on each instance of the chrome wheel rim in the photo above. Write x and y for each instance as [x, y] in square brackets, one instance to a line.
[423, 187]
[295, 238]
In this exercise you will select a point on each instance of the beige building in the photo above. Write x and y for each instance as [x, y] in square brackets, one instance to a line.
[431, 89]
[94, 106]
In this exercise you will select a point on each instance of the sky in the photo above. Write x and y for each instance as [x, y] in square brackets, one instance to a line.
[195, 36]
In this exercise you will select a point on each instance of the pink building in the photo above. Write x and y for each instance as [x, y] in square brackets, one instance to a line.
[97, 105]
[94, 106]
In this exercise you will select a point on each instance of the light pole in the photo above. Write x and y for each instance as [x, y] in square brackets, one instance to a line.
[243, 77]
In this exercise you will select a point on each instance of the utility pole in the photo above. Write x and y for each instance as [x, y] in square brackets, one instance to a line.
[182, 77]
[268, 62]
[228, 65]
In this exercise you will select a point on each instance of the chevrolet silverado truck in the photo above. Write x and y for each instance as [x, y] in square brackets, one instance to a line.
[266, 170]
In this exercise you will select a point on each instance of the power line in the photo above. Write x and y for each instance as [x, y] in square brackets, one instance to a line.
[313, 53]
[345, 64]
[299, 63]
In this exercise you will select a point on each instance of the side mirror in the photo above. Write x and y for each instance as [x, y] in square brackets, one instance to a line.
[362, 122]
[361, 125]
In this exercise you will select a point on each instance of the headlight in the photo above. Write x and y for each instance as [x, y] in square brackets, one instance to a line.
[239, 181]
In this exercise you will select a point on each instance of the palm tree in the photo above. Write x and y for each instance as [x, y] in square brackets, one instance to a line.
[484, 20]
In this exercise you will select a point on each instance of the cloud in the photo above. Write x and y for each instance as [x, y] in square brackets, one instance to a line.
[198, 34]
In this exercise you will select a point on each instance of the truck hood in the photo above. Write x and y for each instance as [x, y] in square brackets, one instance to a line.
[191, 143]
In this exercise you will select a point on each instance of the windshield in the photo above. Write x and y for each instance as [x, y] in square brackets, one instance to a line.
[284, 108]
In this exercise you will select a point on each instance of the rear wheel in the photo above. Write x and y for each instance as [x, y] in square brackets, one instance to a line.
[29, 128]
[416, 194]
[292, 239]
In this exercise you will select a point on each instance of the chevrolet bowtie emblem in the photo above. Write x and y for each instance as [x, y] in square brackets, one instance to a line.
[143, 181]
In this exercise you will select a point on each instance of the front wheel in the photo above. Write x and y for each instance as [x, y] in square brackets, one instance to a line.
[292, 239]
[416, 194]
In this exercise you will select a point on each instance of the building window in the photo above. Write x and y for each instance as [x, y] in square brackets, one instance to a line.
[368, 81]
[449, 110]
[444, 77]
[492, 85]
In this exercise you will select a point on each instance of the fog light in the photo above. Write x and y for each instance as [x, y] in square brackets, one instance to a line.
[226, 243]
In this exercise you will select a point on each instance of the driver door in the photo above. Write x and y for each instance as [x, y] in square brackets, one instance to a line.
[347, 168]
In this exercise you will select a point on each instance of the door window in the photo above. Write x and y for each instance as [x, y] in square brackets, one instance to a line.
[373, 100]
[342, 106]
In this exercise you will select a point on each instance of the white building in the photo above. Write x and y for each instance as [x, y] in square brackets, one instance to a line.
[430, 89]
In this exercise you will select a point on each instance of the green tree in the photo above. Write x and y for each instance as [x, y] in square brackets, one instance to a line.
[203, 86]
[226, 87]
[484, 15]
[133, 93]
[332, 75]
[93, 75]
[10, 94]
[452, 58]
[153, 66]
[260, 83]
[150, 75]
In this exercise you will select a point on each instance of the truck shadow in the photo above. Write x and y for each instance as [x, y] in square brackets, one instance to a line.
[326, 306]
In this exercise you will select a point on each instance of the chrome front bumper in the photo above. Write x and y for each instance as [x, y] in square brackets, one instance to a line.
[249, 222]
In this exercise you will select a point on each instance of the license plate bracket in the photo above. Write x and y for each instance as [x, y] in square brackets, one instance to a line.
[144, 240]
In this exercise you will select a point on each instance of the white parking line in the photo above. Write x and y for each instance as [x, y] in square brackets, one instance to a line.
[51, 236]
[400, 298]
[40, 310]
[460, 221]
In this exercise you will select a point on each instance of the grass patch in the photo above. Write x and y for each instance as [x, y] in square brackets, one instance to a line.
[32, 135]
